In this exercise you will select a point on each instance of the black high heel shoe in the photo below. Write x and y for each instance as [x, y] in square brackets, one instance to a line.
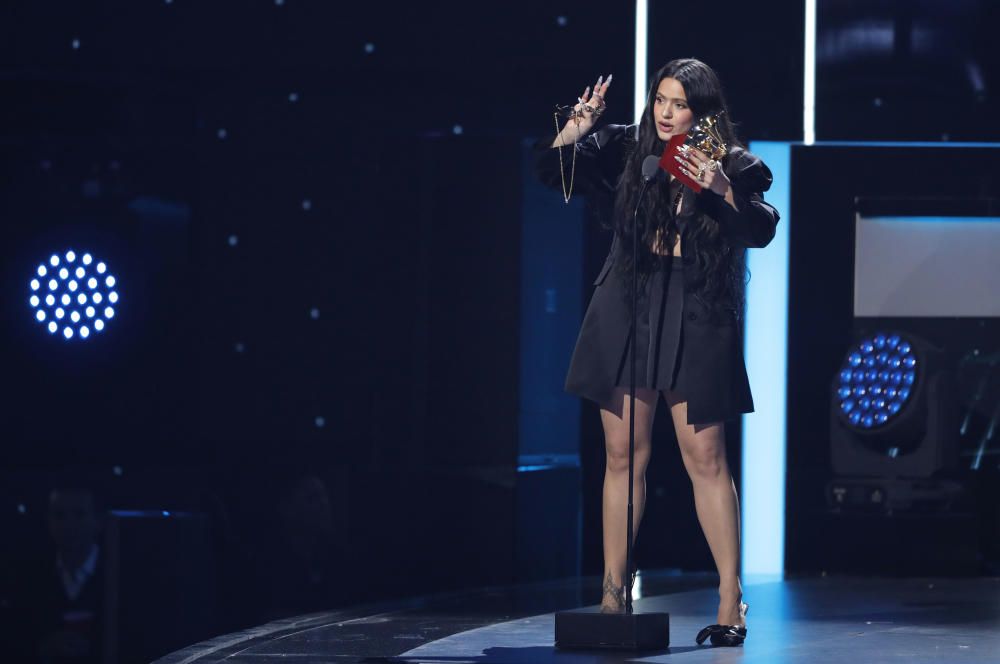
[726, 635]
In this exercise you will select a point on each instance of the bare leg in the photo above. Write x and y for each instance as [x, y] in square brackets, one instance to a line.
[615, 498]
[703, 450]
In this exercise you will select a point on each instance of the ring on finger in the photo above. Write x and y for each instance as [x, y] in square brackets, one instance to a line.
[713, 165]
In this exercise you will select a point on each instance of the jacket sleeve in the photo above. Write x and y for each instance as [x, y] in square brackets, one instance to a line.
[753, 222]
[599, 160]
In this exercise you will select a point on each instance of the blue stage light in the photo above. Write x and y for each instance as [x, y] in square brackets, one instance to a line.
[74, 273]
[875, 380]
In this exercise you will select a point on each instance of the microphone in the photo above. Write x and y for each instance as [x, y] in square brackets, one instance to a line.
[651, 170]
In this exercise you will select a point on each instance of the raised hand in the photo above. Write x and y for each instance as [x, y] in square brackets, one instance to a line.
[590, 105]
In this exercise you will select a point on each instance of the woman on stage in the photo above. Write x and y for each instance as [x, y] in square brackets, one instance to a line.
[691, 277]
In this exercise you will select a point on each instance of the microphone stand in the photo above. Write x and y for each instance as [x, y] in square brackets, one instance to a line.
[587, 628]
[646, 180]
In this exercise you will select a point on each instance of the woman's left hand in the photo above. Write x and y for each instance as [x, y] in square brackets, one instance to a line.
[707, 172]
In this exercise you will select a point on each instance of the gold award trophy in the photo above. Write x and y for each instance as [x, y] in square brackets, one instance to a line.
[703, 136]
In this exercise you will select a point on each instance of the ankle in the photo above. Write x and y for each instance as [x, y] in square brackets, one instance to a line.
[730, 590]
[613, 592]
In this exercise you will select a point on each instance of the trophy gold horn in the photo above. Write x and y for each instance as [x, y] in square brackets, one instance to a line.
[706, 137]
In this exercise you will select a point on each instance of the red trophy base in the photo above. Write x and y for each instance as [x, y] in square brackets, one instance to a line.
[672, 166]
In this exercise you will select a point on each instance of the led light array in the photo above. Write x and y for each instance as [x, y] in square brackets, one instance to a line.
[72, 295]
[876, 380]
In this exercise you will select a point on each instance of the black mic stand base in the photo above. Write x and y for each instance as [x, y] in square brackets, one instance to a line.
[589, 629]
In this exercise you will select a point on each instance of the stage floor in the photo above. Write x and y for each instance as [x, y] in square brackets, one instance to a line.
[814, 621]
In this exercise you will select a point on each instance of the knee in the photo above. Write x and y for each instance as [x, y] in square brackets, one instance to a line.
[705, 465]
[617, 455]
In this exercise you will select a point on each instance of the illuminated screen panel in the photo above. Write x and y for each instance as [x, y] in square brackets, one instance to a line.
[927, 266]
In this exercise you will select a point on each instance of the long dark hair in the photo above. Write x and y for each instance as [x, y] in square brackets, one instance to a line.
[720, 266]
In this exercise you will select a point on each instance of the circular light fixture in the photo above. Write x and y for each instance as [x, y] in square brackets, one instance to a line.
[49, 310]
[876, 381]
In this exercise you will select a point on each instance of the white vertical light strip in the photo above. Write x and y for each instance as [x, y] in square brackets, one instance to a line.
[765, 347]
[641, 34]
[809, 86]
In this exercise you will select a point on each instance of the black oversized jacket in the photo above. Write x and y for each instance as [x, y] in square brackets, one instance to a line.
[717, 382]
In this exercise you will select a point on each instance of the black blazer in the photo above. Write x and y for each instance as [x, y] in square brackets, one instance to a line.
[717, 387]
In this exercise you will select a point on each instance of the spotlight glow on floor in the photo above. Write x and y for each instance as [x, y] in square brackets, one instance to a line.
[73, 316]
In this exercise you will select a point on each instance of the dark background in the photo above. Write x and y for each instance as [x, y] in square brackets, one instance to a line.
[313, 210]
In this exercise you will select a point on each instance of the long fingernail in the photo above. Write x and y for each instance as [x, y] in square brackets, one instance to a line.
[609, 77]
